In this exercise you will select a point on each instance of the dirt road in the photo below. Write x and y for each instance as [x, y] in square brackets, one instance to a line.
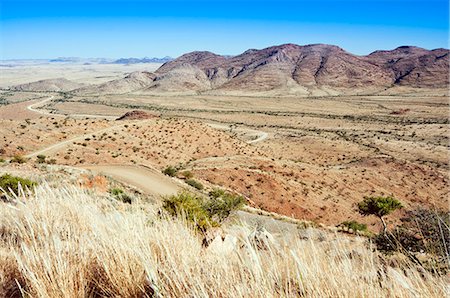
[146, 179]
[33, 106]
[255, 135]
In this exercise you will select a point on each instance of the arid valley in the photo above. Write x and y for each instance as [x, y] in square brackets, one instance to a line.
[308, 157]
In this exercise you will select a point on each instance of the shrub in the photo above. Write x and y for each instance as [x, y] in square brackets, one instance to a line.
[19, 159]
[204, 213]
[194, 183]
[431, 228]
[41, 158]
[422, 230]
[190, 207]
[187, 174]
[10, 185]
[120, 195]
[354, 225]
[170, 171]
[379, 206]
[222, 203]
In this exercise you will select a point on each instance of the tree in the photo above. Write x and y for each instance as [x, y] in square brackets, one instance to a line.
[379, 206]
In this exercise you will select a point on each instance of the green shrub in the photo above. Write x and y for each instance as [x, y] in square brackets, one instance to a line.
[222, 203]
[170, 171]
[202, 212]
[10, 185]
[190, 207]
[19, 159]
[194, 183]
[354, 225]
[120, 195]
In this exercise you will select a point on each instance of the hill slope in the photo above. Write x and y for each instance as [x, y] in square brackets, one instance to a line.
[60, 84]
[309, 70]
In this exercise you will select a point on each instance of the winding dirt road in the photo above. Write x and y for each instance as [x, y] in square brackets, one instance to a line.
[33, 107]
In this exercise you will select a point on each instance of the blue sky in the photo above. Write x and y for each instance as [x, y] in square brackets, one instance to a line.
[155, 28]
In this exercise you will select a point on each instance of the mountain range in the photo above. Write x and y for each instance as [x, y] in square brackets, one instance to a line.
[288, 69]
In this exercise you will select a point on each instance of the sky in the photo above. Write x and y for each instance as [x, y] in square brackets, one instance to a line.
[155, 28]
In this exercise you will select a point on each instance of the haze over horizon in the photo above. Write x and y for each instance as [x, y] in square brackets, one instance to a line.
[137, 28]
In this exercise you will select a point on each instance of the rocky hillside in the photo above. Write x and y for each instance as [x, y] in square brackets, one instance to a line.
[317, 69]
[317, 66]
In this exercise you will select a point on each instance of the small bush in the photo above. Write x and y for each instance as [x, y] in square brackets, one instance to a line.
[120, 195]
[19, 159]
[354, 225]
[202, 212]
[222, 203]
[422, 230]
[194, 183]
[41, 158]
[190, 207]
[10, 185]
[187, 174]
[170, 171]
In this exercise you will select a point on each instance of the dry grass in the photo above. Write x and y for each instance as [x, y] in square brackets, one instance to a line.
[68, 243]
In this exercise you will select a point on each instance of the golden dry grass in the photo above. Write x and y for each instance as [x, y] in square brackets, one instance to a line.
[67, 242]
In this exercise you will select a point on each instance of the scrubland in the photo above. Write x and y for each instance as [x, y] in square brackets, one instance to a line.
[69, 242]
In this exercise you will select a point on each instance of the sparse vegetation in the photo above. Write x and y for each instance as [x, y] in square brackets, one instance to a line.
[187, 174]
[194, 183]
[41, 158]
[121, 195]
[19, 159]
[354, 226]
[222, 203]
[65, 243]
[190, 207]
[170, 171]
[203, 212]
[10, 185]
[423, 232]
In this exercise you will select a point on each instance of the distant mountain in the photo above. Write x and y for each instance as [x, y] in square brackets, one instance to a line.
[142, 60]
[317, 69]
